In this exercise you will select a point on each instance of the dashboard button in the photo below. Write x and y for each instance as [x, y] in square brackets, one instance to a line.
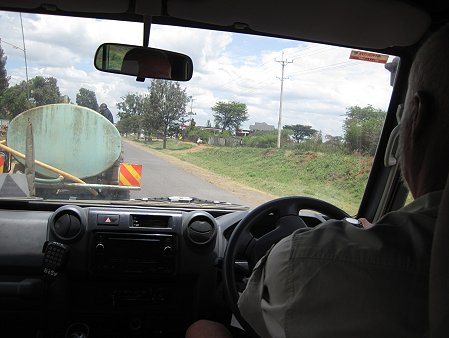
[108, 219]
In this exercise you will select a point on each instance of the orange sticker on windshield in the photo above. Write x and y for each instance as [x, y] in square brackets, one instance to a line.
[367, 56]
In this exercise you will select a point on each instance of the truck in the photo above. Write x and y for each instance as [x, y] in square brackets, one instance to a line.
[68, 151]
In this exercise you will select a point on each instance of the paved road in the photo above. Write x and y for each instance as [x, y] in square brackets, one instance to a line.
[163, 179]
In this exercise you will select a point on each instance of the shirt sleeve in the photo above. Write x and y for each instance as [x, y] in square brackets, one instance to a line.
[313, 284]
[263, 302]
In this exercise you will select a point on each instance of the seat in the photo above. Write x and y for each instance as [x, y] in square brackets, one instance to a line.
[439, 272]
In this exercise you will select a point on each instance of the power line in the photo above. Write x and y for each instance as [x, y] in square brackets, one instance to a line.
[305, 72]
[310, 52]
[310, 49]
[232, 80]
[328, 67]
[24, 54]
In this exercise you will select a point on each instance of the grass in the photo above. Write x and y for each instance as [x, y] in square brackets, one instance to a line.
[172, 145]
[334, 177]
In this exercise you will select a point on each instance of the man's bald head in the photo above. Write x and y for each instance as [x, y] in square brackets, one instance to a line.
[430, 70]
[424, 133]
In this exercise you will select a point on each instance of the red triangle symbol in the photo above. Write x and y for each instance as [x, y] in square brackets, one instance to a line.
[108, 220]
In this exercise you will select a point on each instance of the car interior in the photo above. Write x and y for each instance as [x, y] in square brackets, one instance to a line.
[92, 269]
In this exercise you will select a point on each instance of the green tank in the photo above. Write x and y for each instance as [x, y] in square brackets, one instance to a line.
[71, 138]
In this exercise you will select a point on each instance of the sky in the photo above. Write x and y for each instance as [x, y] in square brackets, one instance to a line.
[321, 82]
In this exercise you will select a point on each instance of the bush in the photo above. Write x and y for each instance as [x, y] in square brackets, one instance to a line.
[266, 139]
[325, 147]
[192, 134]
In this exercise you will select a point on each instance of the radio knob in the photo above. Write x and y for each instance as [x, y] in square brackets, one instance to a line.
[168, 250]
[99, 247]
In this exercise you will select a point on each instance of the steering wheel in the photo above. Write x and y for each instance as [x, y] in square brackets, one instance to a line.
[282, 216]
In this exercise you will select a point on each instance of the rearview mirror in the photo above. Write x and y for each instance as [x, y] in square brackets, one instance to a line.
[143, 62]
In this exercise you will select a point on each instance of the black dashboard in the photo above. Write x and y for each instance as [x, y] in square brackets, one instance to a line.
[111, 271]
[75, 270]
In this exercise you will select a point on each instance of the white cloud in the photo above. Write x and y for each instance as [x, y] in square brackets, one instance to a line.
[322, 82]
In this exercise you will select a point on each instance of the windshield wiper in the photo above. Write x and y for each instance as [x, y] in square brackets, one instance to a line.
[187, 200]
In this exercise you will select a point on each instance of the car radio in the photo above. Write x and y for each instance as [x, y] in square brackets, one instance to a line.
[134, 253]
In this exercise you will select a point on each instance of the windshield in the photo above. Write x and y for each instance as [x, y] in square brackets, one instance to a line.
[260, 118]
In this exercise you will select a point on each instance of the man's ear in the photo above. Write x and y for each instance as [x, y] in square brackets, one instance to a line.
[421, 113]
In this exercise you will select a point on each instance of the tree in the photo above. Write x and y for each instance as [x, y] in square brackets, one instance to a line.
[4, 78]
[230, 115]
[127, 125]
[333, 140]
[362, 128]
[87, 98]
[14, 101]
[334, 143]
[131, 111]
[44, 90]
[167, 106]
[132, 105]
[301, 132]
[208, 124]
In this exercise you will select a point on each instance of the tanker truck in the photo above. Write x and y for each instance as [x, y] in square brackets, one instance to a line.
[69, 151]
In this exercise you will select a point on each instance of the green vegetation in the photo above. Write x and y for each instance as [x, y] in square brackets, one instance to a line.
[172, 145]
[335, 177]
[4, 78]
[267, 139]
[115, 55]
[160, 112]
[87, 98]
[230, 115]
[362, 128]
[301, 132]
[192, 134]
[41, 91]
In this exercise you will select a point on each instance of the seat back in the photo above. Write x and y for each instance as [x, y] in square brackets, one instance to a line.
[439, 272]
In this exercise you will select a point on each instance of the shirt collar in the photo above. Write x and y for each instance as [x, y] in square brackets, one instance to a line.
[428, 201]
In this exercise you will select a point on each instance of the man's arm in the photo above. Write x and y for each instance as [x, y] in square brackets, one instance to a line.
[342, 280]
[263, 302]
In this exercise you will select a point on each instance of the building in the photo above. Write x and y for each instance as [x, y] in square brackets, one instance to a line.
[242, 132]
[261, 126]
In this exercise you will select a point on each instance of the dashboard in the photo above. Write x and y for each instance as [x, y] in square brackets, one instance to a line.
[111, 271]
[77, 270]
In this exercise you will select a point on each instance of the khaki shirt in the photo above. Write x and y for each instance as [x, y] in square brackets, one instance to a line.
[338, 280]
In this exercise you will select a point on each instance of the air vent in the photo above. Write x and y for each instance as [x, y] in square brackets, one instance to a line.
[201, 231]
[67, 223]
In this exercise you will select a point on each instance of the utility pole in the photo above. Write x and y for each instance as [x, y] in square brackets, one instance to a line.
[282, 78]
[191, 104]
[25, 55]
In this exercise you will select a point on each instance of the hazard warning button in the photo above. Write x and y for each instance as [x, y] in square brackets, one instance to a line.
[108, 219]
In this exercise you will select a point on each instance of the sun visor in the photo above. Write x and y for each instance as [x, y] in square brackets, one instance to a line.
[78, 6]
[146, 7]
[366, 24]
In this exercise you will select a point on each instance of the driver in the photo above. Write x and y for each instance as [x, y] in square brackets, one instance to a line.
[338, 280]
